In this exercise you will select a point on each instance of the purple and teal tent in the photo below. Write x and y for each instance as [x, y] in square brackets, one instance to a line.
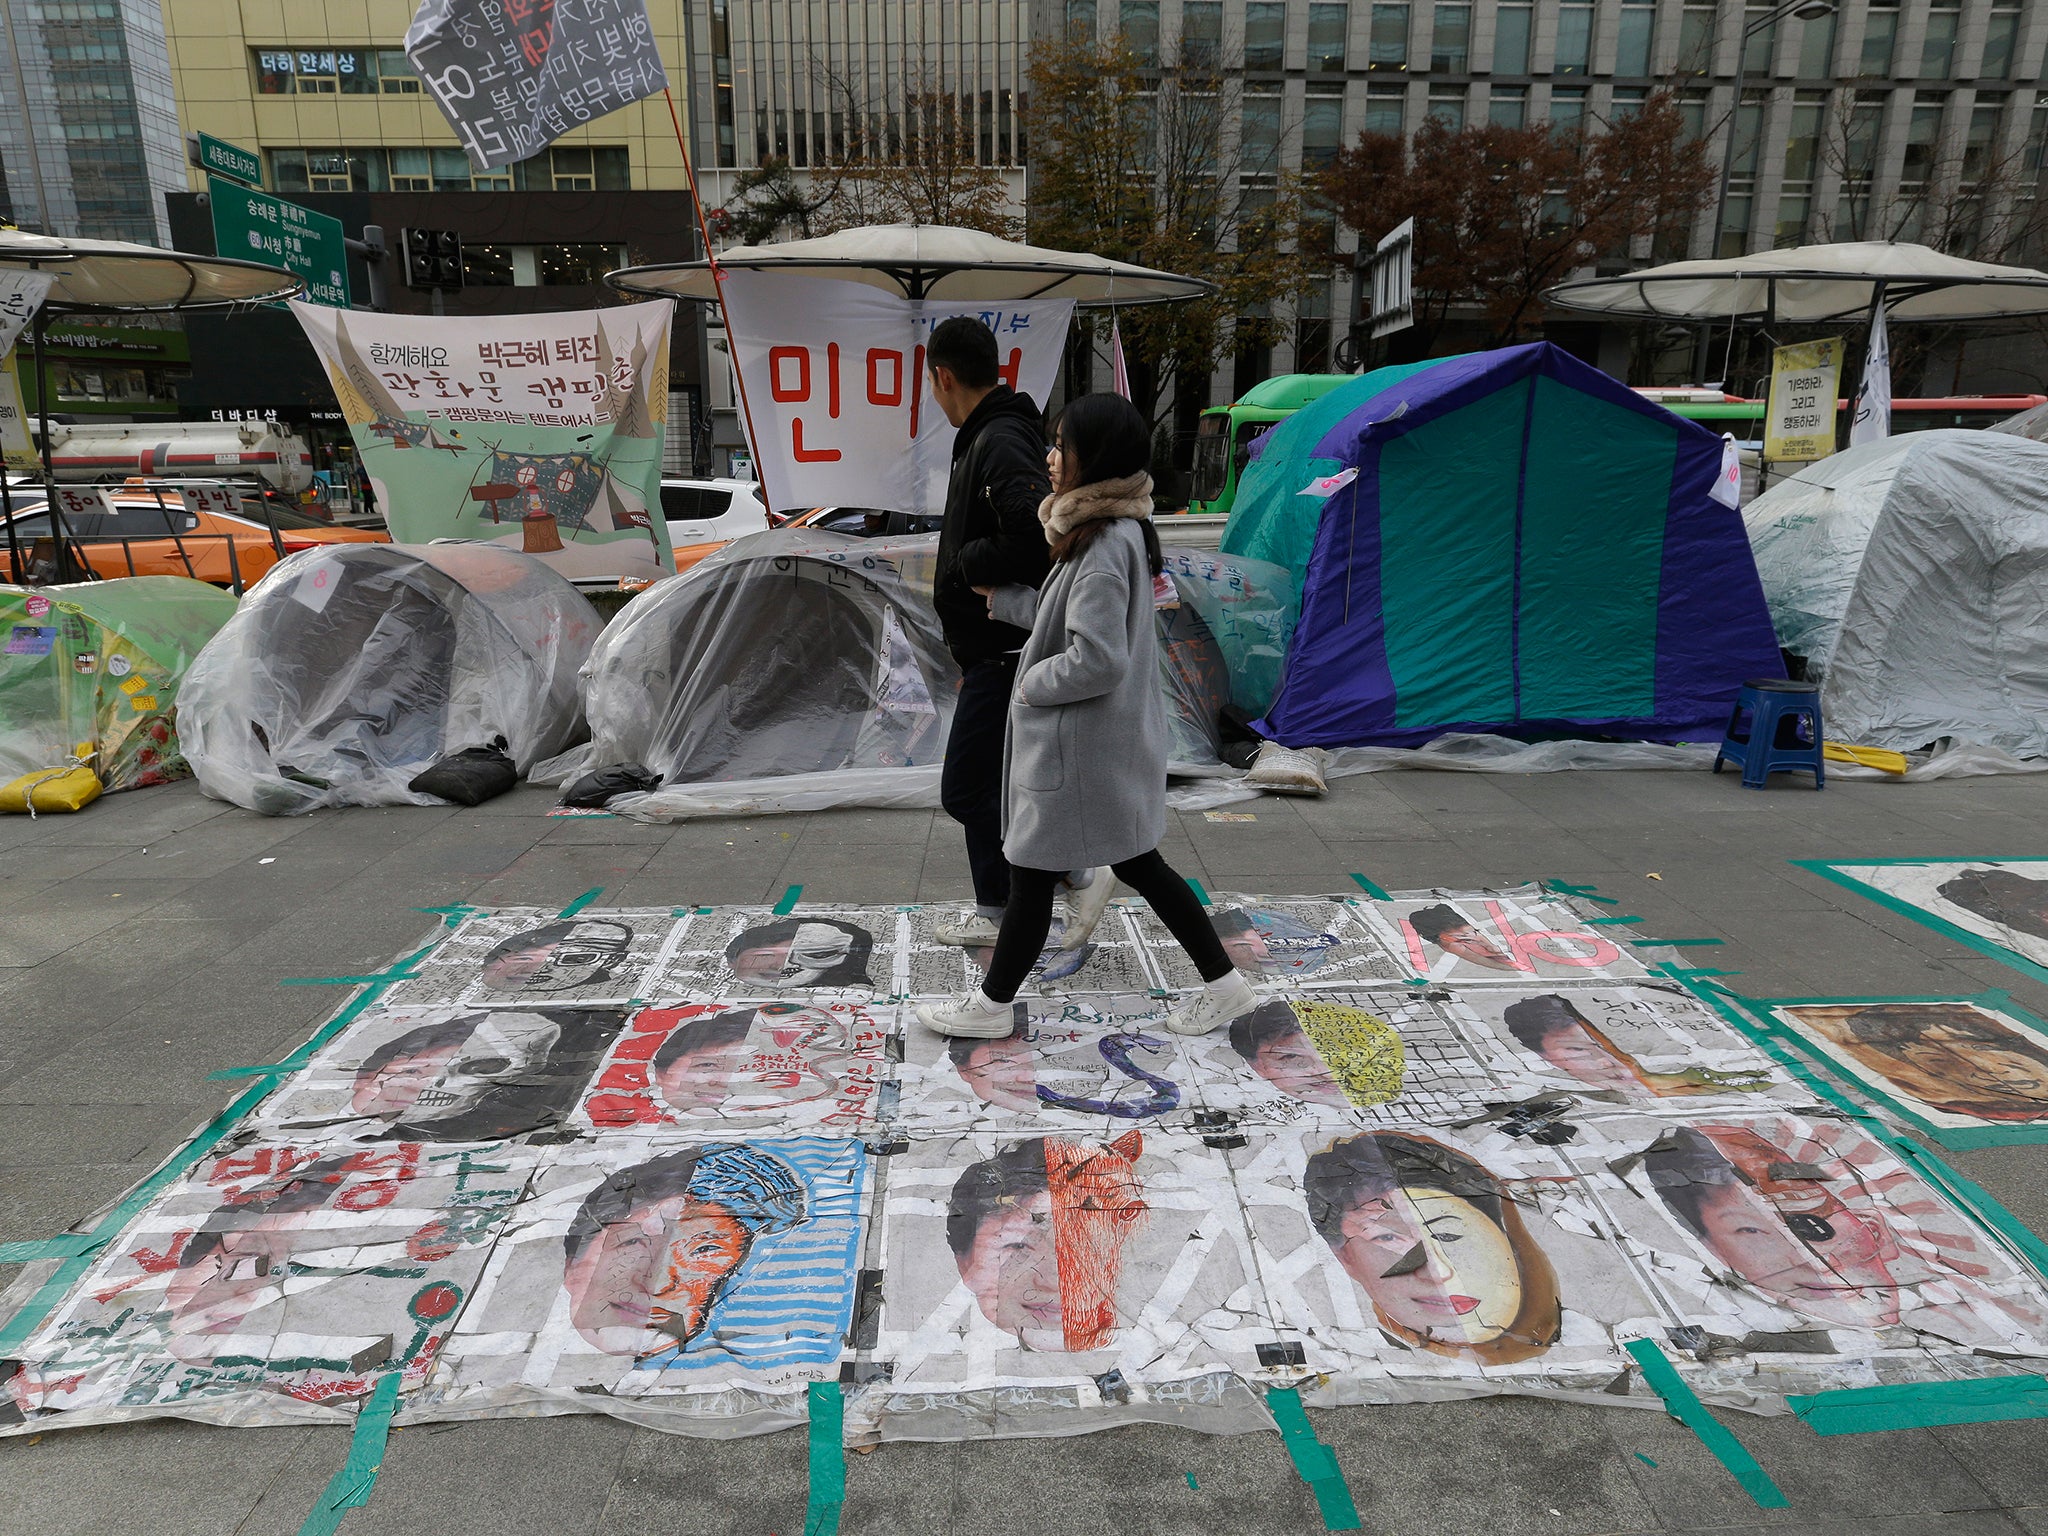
[1529, 548]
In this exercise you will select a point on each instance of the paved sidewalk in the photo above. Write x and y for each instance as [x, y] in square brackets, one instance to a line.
[141, 946]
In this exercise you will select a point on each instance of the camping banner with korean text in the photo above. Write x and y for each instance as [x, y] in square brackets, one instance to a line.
[542, 433]
[842, 410]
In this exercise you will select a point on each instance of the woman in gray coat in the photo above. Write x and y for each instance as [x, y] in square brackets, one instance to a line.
[1084, 763]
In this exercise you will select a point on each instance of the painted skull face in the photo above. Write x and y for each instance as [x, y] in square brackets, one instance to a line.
[800, 961]
[448, 1080]
[575, 960]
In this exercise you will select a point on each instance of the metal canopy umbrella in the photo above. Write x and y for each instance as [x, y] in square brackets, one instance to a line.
[927, 261]
[121, 277]
[1814, 284]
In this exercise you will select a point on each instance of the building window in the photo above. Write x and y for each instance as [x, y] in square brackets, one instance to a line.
[1980, 144]
[1635, 38]
[395, 74]
[1080, 18]
[724, 127]
[1312, 328]
[1938, 48]
[442, 168]
[487, 266]
[1629, 101]
[2036, 153]
[1201, 34]
[577, 266]
[1450, 43]
[1696, 38]
[316, 71]
[1999, 36]
[1511, 28]
[1567, 109]
[1260, 152]
[1574, 39]
[1762, 46]
[1139, 21]
[1386, 110]
[1508, 106]
[1802, 145]
[1265, 34]
[1692, 113]
[1923, 134]
[1322, 130]
[1880, 39]
[1817, 47]
[1447, 106]
[1389, 48]
[1327, 27]
[1794, 208]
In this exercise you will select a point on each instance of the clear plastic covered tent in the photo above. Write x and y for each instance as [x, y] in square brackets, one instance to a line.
[797, 670]
[352, 668]
[94, 671]
[1912, 576]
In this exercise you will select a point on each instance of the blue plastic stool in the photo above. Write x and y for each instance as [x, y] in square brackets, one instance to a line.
[1784, 732]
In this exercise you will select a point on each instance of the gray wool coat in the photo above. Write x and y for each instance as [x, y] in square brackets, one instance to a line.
[1084, 761]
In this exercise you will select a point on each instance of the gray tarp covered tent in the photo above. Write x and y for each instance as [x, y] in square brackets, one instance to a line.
[1912, 575]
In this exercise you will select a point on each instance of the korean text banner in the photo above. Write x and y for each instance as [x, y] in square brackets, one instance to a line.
[512, 76]
[541, 433]
[836, 385]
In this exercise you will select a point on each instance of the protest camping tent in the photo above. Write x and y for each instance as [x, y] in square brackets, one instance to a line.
[1912, 576]
[798, 669]
[1526, 547]
[352, 668]
[94, 670]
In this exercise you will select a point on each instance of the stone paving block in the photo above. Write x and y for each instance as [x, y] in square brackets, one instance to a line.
[163, 1478]
[685, 1487]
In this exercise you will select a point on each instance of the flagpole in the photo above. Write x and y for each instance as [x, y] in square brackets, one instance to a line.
[718, 287]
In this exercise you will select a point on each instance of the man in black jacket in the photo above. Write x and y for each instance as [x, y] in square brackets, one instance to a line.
[991, 538]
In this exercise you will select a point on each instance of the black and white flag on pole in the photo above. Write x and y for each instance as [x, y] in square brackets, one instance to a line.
[515, 75]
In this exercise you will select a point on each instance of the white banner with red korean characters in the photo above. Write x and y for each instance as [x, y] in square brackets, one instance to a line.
[542, 433]
[841, 405]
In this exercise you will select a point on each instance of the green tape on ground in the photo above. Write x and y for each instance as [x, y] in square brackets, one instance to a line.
[581, 902]
[1665, 1381]
[1596, 922]
[828, 1458]
[789, 899]
[338, 981]
[1196, 886]
[1315, 1461]
[70, 1245]
[273, 1069]
[1864, 1410]
[1590, 892]
[1369, 888]
[351, 1486]
[451, 917]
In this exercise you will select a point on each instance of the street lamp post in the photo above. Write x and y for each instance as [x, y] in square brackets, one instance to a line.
[1805, 10]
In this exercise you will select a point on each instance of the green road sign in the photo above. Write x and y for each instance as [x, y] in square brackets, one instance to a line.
[219, 158]
[256, 226]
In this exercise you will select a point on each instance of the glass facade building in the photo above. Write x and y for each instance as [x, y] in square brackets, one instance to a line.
[89, 139]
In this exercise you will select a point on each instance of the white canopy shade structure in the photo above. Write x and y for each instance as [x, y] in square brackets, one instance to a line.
[116, 275]
[1815, 284]
[927, 261]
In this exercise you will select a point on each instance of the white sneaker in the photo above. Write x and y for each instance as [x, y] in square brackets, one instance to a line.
[971, 1016]
[969, 932]
[1085, 908]
[1214, 1006]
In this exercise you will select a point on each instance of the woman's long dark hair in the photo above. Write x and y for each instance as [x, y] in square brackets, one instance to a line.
[1103, 437]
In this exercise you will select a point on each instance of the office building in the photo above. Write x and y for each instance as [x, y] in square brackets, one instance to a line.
[88, 123]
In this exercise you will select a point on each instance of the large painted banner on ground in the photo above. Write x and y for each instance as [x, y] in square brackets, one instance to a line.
[539, 432]
[836, 386]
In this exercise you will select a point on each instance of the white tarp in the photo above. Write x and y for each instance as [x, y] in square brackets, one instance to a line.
[1912, 574]
[838, 394]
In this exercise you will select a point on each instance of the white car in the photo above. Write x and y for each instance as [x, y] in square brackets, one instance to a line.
[704, 511]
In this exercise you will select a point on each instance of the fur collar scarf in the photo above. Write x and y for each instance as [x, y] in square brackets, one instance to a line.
[1063, 513]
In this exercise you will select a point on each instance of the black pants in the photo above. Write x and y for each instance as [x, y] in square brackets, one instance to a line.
[971, 782]
[1028, 919]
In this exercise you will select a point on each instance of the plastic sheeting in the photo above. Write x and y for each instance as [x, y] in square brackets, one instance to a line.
[798, 671]
[350, 669]
[99, 666]
[1912, 575]
[676, 1166]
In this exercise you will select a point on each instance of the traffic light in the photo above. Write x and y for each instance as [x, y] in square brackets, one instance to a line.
[433, 258]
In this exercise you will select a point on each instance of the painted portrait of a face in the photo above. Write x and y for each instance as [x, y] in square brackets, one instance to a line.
[556, 957]
[1038, 1232]
[1321, 1052]
[1952, 1057]
[1456, 934]
[802, 952]
[1001, 1072]
[1270, 1041]
[1553, 1027]
[1437, 1246]
[1797, 1241]
[1267, 943]
[655, 1247]
[2002, 897]
[771, 1057]
[240, 1259]
[445, 1069]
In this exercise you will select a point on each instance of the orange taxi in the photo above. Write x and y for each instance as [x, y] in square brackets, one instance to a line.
[862, 522]
[142, 536]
